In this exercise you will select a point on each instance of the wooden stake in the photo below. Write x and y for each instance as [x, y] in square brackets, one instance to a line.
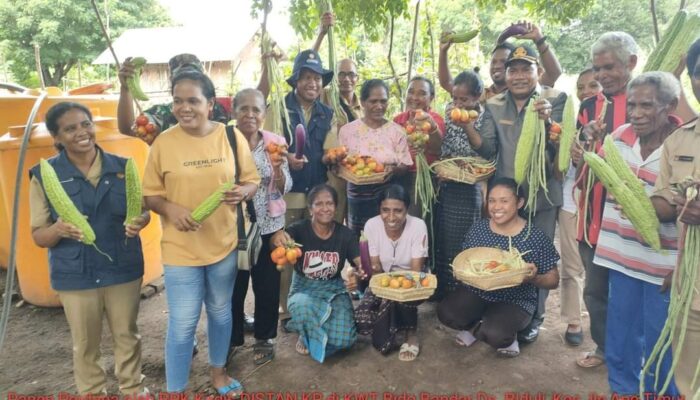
[111, 49]
[413, 41]
[37, 60]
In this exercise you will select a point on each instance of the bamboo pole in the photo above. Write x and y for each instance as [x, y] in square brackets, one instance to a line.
[391, 64]
[413, 40]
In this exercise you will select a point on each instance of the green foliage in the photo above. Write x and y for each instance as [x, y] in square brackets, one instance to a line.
[371, 16]
[573, 42]
[66, 31]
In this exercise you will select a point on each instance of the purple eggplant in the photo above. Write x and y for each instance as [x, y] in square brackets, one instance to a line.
[513, 30]
[365, 262]
[300, 139]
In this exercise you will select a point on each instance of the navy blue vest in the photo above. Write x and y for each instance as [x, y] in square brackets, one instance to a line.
[76, 266]
[314, 172]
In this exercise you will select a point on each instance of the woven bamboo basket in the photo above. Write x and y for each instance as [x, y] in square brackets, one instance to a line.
[403, 295]
[452, 171]
[463, 270]
[372, 179]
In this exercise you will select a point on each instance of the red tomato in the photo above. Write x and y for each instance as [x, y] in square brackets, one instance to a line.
[150, 128]
[142, 120]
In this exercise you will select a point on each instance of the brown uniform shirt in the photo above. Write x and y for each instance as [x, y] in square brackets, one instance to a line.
[680, 159]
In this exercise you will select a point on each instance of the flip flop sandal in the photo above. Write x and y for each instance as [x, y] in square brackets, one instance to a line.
[300, 348]
[507, 353]
[408, 352]
[234, 387]
[590, 360]
[263, 351]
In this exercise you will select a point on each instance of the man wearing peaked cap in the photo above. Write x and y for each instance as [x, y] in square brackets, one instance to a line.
[500, 126]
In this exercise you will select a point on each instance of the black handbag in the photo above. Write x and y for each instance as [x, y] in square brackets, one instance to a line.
[249, 243]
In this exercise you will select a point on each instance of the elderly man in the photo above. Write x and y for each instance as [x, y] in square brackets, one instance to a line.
[614, 57]
[637, 301]
[680, 159]
[497, 69]
[500, 127]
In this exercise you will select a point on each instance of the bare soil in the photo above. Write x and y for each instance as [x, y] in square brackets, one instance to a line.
[36, 360]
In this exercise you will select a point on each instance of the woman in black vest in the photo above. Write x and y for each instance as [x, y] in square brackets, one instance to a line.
[92, 283]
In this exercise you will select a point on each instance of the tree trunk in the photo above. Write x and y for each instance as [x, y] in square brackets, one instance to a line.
[652, 6]
[682, 6]
[432, 42]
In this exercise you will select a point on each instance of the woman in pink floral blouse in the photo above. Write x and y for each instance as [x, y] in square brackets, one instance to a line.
[375, 136]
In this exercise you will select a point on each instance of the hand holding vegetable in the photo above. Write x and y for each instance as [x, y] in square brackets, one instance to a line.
[691, 214]
[532, 31]
[280, 239]
[327, 20]
[595, 129]
[132, 229]
[65, 230]
[543, 108]
[235, 196]
[532, 273]
[181, 218]
[295, 163]
[126, 71]
[445, 41]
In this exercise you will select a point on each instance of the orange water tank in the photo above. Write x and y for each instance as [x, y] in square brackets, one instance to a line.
[32, 261]
[14, 110]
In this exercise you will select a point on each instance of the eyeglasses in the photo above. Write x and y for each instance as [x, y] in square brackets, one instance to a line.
[343, 75]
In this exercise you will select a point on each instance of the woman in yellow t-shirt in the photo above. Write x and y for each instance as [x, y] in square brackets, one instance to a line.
[187, 163]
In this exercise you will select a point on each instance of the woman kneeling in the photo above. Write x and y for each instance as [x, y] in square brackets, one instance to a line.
[496, 316]
[397, 242]
[319, 303]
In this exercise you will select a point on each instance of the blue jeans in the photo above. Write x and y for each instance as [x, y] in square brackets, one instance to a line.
[186, 289]
[636, 314]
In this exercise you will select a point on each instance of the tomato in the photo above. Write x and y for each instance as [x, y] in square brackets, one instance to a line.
[141, 130]
[426, 127]
[456, 115]
[142, 120]
[150, 128]
[410, 128]
[292, 256]
[555, 128]
[298, 250]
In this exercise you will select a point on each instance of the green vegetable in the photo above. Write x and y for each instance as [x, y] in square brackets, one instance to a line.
[64, 206]
[134, 195]
[211, 203]
[460, 37]
[568, 134]
[134, 81]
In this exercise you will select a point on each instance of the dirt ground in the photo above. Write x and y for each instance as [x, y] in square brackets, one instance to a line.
[36, 360]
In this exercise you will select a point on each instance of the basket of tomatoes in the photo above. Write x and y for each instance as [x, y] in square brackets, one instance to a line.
[403, 286]
[362, 170]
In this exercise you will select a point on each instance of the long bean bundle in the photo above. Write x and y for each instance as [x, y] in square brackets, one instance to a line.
[531, 156]
[333, 91]
[277, 111]
[682, 293]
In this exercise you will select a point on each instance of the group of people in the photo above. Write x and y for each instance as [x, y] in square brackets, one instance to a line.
[605, 264]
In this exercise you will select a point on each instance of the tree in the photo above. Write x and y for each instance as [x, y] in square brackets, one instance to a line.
[66, 31]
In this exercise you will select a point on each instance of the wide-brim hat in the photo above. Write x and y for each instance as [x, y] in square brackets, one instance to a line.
[309, 59]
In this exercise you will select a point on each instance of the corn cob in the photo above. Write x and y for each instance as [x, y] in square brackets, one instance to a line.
[633, 208]
[134, 195]
[568, 134]
[134, 82]
[614, 159]
[64, 206]
[211, 203]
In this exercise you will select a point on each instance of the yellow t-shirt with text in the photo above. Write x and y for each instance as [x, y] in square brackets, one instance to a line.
[185, 170]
